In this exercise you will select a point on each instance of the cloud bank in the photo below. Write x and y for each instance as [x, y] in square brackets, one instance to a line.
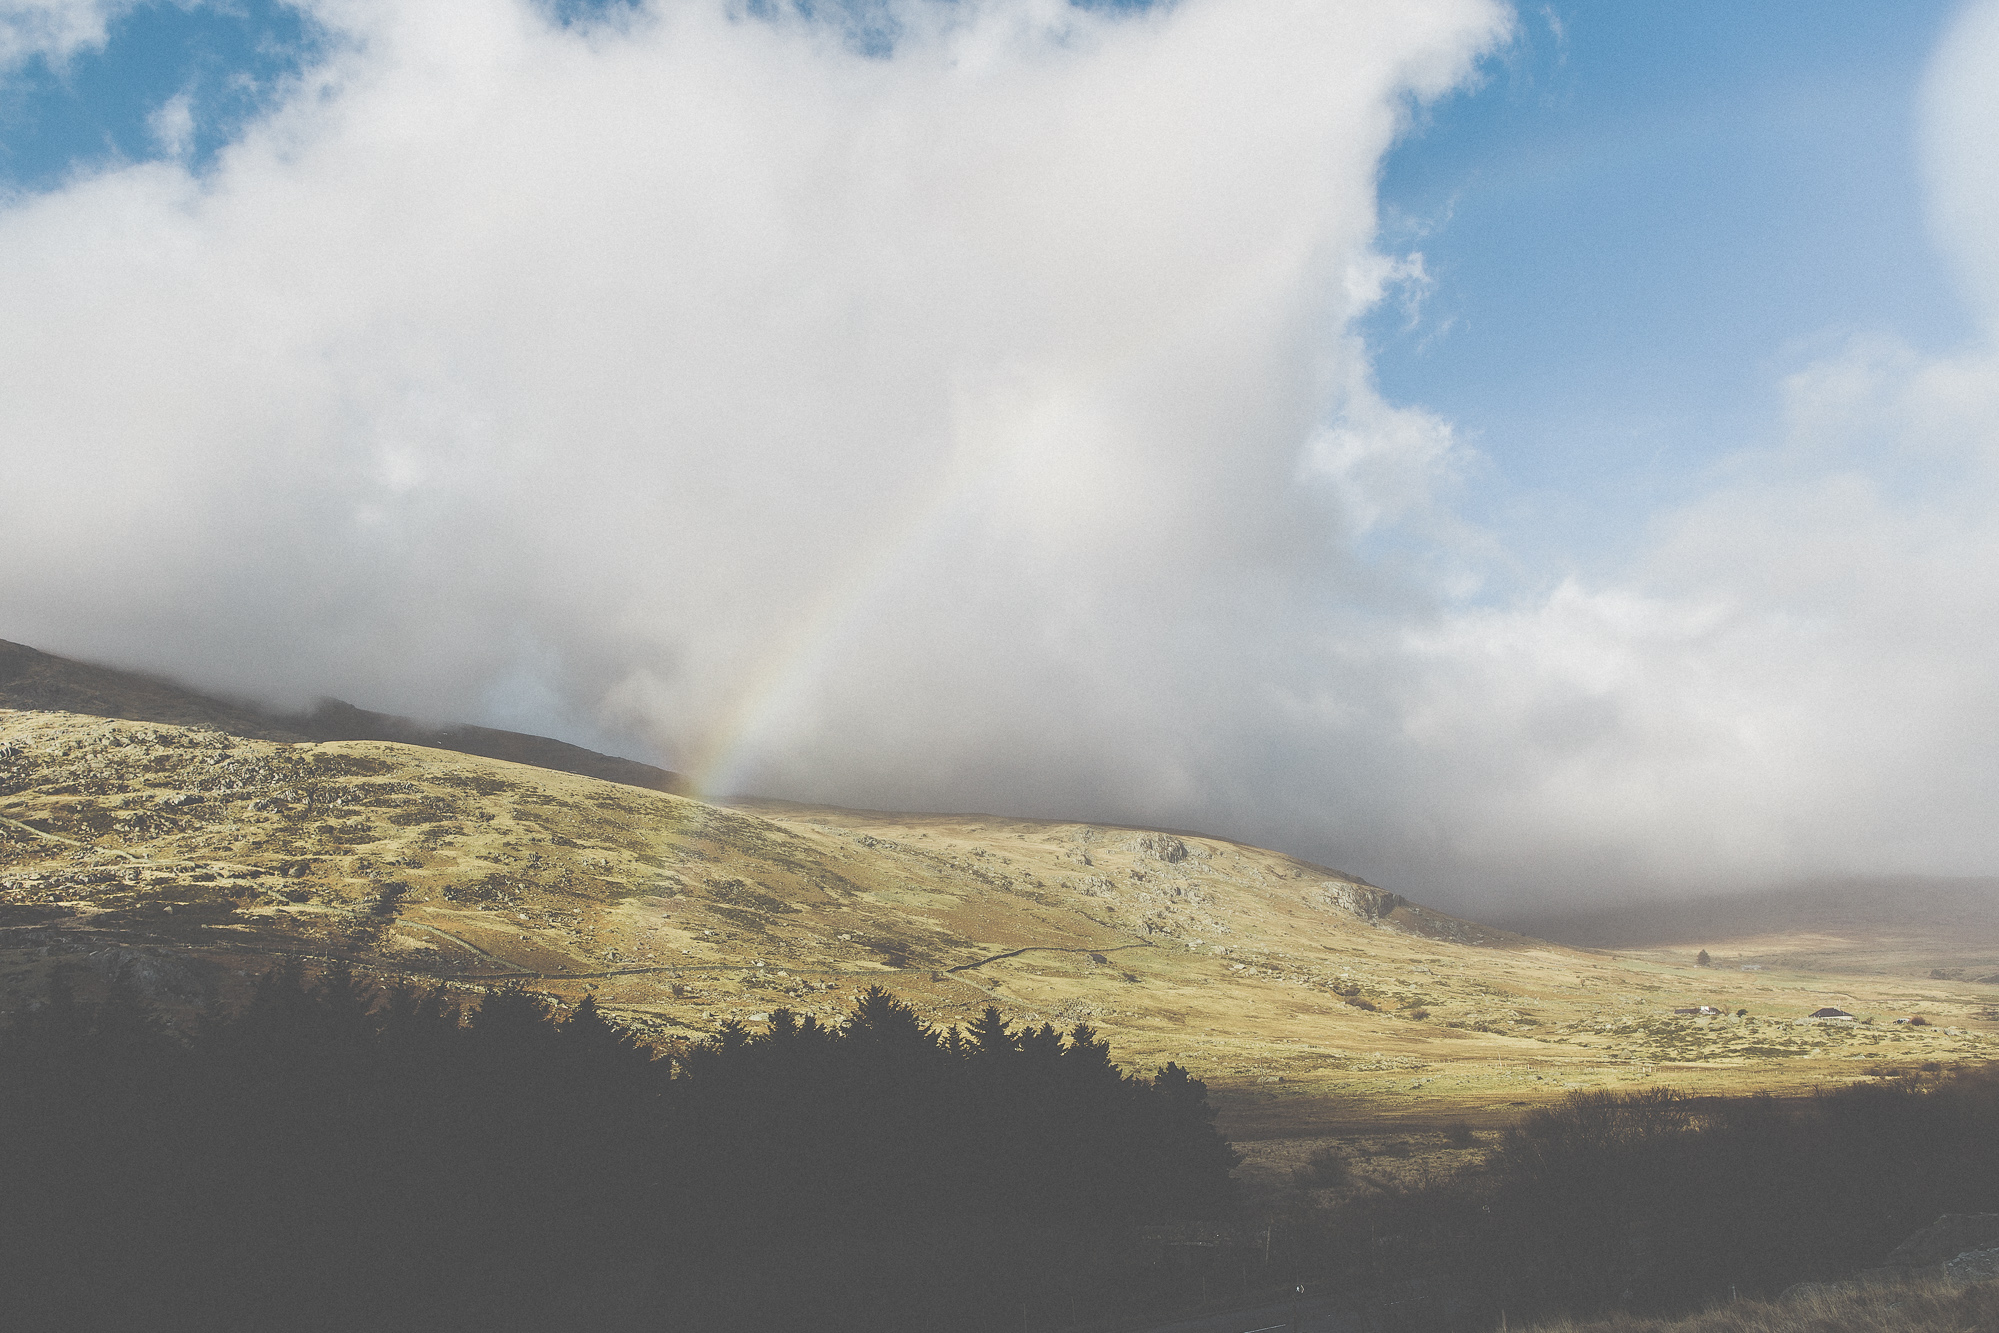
[978, 425]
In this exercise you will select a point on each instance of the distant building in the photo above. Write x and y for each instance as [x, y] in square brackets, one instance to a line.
[1830, 1013]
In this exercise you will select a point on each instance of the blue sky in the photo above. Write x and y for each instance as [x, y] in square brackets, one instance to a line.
[953, 404]
[1642, 216]
[65, 112]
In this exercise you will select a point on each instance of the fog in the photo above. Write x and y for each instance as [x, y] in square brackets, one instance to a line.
[979, 424]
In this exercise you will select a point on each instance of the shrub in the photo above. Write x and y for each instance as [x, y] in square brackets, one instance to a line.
[1325, 1168]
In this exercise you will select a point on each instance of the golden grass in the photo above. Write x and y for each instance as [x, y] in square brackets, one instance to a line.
[1921, 1307]
[1312, 1005]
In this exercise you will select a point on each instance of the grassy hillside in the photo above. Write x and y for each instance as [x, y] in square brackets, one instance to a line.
[186, 858]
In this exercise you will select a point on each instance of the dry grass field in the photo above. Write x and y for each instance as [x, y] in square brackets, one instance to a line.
[1315, 1005]
[1928, 1307]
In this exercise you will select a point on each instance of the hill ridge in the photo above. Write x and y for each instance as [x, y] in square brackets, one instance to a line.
[33, 680]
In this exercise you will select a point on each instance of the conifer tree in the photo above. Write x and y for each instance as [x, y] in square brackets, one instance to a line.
[990, 1038]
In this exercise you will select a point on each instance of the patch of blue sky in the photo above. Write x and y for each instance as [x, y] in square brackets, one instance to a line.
[181, 80]
[170, 82]
[871, 26]
[1645, 214]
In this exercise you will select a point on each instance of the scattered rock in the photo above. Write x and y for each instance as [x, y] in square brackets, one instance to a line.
[1946, 1238]
[1361, 900]
[1160, 846]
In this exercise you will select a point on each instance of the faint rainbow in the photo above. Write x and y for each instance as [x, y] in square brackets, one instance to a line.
[815, 637]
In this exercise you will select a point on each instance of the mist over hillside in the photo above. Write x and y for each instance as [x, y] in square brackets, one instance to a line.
[1921, 923]
[982, 409]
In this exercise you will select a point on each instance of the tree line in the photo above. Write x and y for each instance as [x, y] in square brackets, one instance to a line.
[330, 1155]
[1658, 1202]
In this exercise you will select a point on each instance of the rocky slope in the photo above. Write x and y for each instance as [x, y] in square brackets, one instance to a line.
[181, 843]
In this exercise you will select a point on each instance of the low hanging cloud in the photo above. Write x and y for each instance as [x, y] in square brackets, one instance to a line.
[978, 424]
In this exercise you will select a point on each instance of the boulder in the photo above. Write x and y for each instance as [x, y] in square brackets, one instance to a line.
[1362, 900]
[1973, 1266]
[1945, 1239]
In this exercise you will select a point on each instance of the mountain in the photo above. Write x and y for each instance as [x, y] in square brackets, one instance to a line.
[184, 849]
[39, 681]
[333, 720]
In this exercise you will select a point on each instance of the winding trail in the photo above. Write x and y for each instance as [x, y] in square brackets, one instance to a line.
[1048, 948]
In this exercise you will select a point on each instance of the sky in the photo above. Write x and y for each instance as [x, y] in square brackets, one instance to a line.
[1518, 454]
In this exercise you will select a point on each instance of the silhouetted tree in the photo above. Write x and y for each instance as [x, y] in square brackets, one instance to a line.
[364, 1155]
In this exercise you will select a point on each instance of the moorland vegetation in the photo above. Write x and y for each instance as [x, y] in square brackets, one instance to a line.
[1901, 1307]
[330, 1156]
[198, 856]
[1655, 1202]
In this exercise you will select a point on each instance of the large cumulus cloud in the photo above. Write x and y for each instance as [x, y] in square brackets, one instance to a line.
[978, 424]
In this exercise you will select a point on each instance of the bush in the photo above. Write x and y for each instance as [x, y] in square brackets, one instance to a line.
[1325, 1168]
[1657, 1201]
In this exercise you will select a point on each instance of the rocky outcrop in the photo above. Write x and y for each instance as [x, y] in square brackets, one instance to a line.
[1946, 1238]
[1957, 1247]
[1973, 1266]
[1160, 847]
[1361, 900]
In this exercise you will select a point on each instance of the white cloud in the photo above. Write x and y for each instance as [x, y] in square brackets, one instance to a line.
[810, 410]
[54, 29]
[1961, 102]
[1799, 672]
[172, 125]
